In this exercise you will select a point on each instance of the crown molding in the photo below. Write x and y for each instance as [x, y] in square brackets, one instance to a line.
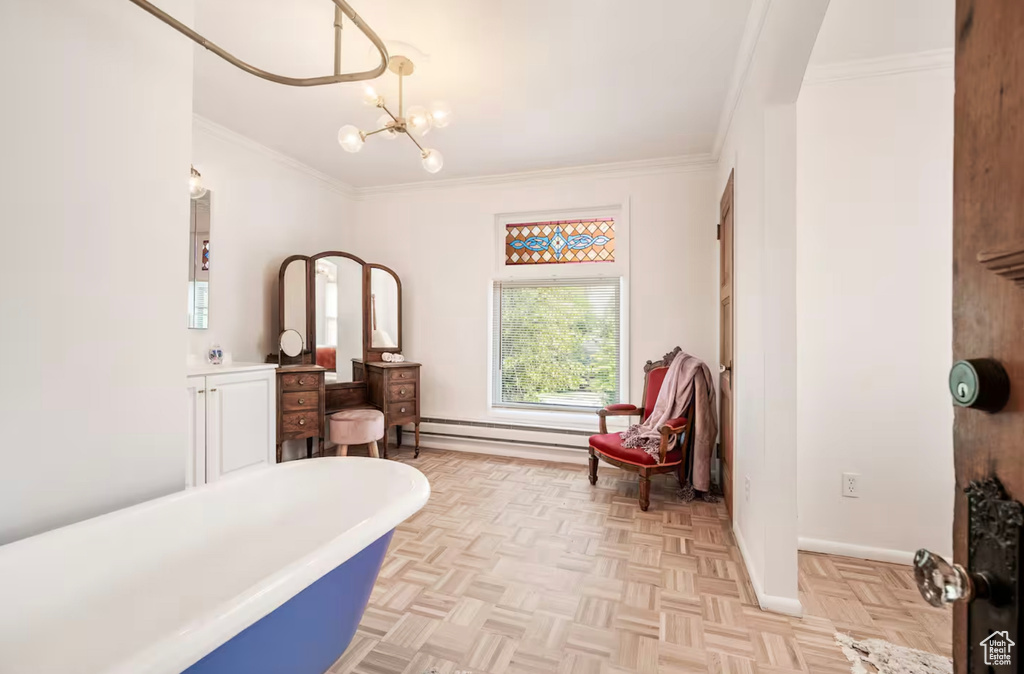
[223, 133]
[642, 167]
[625, 169]
[741, 68]
[936, 59]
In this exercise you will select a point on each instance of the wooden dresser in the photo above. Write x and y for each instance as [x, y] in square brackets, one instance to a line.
[300, 406]
[393, 388]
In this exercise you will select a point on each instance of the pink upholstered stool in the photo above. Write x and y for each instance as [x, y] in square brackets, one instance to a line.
[357, 427]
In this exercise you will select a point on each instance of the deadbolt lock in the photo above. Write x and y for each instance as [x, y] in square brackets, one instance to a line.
[980, 383]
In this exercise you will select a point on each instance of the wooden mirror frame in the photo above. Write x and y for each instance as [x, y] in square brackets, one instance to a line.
[308, 356]
[374, 353]
[304, 358]
[311, 294]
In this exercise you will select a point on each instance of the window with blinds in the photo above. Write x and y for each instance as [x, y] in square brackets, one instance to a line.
[557, 343]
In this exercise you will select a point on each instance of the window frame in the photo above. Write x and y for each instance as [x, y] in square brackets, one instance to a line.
[525, 412]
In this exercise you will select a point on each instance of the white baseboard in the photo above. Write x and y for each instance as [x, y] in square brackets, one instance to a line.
[767, 602]
[518, 450]
[856, 551]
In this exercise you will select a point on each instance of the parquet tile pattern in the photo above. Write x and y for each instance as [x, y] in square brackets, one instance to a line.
[522, 567]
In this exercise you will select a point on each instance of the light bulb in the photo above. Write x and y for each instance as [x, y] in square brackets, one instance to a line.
[382, 123]
[196, 190]
[418, 120]
[441, 113]
[432, 161]
[370, 96]
[350, 138]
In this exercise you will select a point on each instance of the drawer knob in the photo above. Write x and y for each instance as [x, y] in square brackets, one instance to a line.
[301, 381]
[302, 422]
[401, 391]
[403, 409]
[302, 401]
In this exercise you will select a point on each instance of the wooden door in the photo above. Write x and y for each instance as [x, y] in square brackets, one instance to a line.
[725, 323]
[988, 309]
[240, 419]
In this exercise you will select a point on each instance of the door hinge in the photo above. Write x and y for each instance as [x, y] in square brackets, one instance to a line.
[718, 235]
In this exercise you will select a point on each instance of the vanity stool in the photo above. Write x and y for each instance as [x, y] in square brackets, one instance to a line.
[361, 426]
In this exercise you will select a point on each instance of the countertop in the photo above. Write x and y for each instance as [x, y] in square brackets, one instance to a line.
[201, 369]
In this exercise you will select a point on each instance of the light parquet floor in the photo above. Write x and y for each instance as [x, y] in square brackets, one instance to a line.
[522, 567]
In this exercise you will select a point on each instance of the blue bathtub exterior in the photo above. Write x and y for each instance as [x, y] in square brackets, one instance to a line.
[310, 631]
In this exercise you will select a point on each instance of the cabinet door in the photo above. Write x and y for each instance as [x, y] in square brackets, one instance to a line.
[195, 457]
[240, 420]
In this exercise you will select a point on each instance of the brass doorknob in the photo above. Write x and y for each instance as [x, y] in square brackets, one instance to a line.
[942, 583]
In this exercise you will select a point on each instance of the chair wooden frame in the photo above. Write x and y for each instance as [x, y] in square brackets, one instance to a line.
[669, 435]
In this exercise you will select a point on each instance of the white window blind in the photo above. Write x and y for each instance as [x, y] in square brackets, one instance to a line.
[557, 343]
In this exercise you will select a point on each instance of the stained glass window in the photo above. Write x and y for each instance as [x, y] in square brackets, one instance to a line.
[560, 241]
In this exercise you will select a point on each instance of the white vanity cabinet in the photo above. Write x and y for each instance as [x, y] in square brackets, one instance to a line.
[232, 418]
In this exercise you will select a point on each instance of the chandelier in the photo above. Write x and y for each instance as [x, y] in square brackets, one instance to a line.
[415, 122]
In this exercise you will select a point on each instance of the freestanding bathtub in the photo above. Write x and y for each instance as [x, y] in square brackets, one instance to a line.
[266, 572]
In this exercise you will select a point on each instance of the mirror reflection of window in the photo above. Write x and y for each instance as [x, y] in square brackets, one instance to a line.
[199, 263]
[339, 315]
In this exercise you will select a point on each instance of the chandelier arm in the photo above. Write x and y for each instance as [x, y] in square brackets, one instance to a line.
[422, 151]
[340, 5]
[370, 133]
[385, 108]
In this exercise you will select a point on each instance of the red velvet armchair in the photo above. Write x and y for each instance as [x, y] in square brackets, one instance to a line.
[676, 439]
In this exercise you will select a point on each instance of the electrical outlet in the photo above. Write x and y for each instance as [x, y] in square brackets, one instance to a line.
[851, 486]
[746, 489]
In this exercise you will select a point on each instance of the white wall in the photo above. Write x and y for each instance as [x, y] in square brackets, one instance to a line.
[760, 145]
[265, 207]
[874, 266]
[441, 243]
[96, 140]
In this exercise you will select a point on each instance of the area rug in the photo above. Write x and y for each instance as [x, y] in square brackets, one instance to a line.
[875, 656]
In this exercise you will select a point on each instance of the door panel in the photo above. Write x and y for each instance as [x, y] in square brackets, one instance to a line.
[240, 419]
[988, 308]
[725, 344]
[195, 456]
[725, 386]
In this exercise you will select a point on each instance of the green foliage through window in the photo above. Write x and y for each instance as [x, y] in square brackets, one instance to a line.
[557, 344]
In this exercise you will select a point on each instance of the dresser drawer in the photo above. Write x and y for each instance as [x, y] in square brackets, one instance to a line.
[400, 414]
[300, 381]
[398, 392]
[403, 374]
[300, 400]
[300, 424]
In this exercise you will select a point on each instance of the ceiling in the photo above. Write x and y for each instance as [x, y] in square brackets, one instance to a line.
[866, 29]
[533, 84]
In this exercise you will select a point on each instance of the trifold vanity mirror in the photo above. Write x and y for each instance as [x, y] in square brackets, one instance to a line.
[341, 315]
[344, 310]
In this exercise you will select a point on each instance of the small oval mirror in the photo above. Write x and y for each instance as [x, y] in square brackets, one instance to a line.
[291, 343]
